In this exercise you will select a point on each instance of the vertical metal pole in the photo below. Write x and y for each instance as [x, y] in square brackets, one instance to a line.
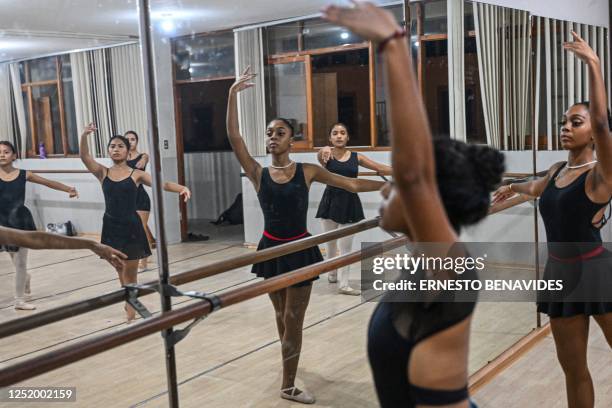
[146, 52]
[534, 149]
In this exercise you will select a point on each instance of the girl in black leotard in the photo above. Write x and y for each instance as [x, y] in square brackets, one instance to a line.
[14, 214]
[340, 207]
[139, 161]
[122, 227]
[419, 351]
[282, 189]
[573, 196]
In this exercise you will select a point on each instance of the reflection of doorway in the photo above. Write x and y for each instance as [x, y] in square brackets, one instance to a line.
[208, 166]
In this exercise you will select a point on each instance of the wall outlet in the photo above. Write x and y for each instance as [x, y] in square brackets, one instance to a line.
[166, 144]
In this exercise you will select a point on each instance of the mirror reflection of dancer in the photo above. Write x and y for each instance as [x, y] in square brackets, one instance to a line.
[122, 227]
[282, 189]
[45, 240]
[137, 160]
[14, 214]
[573, 199]
[339, 207]
[419, 351]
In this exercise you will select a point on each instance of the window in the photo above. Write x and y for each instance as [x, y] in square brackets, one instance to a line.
[318, 74]
[49, 106]
[204, 72]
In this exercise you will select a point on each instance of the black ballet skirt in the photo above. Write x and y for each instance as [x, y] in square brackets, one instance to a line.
[576, 255]
[13, 212]
[338, 205]
[122, 228]
[143, 202]
[285, 207]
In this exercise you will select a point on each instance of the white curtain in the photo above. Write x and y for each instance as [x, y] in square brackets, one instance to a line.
[251, 104]
[6, 117]
[503, 47]
[128, 92]
[19, 108]
[561, 78]
[456, 74]
[92, 95]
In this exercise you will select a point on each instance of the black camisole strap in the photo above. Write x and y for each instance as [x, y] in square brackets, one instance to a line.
[556, 173]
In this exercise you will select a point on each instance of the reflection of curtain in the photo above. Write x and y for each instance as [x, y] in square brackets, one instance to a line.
[128, 92]
[561, 78]
[19, 109]
[92, 95]
[6, 122]
[502, 40]
[251, 103]
[456, 76]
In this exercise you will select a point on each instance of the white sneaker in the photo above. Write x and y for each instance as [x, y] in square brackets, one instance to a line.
[20, 304]
[304, 396]
[347, 290]
[332, 277]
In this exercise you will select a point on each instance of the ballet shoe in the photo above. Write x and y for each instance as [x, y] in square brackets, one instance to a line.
[291, 394]
[21, 304]
[347, 290]
[332, 277]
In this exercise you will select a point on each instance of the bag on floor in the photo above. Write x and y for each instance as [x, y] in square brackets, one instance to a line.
[62, 228]
[233, 214]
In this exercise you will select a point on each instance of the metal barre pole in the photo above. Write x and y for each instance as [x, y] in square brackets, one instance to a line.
[58, 358]
[23, 324]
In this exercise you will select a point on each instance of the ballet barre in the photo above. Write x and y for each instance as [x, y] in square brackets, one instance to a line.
[56, 314]
[49, 361]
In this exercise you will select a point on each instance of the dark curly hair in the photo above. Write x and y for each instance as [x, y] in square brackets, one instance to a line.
[466, 175]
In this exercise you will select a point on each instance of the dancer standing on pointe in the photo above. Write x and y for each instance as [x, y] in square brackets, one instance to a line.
[137, 160]
[122, 227]
[282, 189]
[339, 207]
[14, 214]
[573, 199]
[418, 350]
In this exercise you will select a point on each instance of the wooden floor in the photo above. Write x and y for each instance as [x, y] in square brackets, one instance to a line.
[232, 358]
[536, 379]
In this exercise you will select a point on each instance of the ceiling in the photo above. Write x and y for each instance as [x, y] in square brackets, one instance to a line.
[34, 28]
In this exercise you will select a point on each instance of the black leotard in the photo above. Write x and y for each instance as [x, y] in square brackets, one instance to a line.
[143, 202]
[285, 208]
[122, 228]
[13, 212]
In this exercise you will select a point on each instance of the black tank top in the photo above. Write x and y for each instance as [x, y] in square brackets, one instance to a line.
[132, 163]
[120, 196]
[284, 206]
[12, 194]
[568, 214]
[349, 168]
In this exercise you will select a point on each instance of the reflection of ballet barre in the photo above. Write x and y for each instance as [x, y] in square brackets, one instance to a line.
[60, 171]
[73, 309]
[196, 311]
[361, 173]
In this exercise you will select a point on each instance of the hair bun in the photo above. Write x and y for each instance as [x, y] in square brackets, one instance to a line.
[489, 165]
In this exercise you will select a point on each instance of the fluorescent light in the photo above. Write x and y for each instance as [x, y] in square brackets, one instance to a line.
[168, 26]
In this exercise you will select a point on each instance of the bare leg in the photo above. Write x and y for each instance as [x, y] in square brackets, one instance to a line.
[279, 299]
[571, 336]
[130, 275]
[295, 310]
[605, 322]
[144, 217]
